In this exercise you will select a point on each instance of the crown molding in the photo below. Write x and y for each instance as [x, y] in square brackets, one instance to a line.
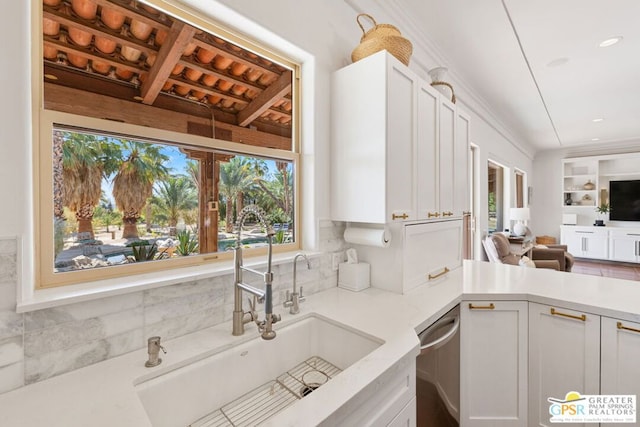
[427, 55]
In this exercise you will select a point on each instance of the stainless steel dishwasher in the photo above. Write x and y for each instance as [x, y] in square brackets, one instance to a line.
[438, 373]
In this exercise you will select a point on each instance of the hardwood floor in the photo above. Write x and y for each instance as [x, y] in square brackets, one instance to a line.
[619, 270]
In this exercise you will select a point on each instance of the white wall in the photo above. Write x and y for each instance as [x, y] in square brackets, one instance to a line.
[547, 207]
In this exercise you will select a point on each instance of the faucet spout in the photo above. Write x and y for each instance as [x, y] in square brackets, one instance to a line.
[240, 317]
[295, 298]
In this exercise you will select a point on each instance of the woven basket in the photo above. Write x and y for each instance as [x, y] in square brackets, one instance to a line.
[381, 37]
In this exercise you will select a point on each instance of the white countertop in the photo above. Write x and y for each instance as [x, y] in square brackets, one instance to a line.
[103, 394]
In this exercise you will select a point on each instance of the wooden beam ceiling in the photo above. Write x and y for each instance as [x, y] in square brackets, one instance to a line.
[179, 37]
[263, 101]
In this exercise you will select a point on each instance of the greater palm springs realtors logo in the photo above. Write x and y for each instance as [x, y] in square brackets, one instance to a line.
[605, 408]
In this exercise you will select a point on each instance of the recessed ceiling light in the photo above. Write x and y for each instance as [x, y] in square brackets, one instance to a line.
[595, 139]
[597, 120]
[610, 42]
[558, 62]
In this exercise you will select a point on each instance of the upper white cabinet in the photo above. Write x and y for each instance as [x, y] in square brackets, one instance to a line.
[373, 141]
[397, 146]
[461, 181]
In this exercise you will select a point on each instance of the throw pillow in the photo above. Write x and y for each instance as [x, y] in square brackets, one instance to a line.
[541, 247]
[526, 262]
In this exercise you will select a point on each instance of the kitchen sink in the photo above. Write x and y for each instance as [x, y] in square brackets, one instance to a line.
[251, 381]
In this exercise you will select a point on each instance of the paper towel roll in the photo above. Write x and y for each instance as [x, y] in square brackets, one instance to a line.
[368, 236]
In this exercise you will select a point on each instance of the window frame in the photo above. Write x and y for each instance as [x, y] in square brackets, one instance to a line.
[44, 122]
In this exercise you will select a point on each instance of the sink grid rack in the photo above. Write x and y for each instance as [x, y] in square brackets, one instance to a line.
[268, 399]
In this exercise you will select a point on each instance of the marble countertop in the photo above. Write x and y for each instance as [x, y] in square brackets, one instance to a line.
[104, 394]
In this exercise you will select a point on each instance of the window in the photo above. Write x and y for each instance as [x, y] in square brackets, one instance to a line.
[154, 134]
[496, 196]
[519, 189]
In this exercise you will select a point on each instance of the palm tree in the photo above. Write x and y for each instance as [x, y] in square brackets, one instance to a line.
[235, 178]
[133, 183]
[279, 189]
[82, 172]
[174, 197]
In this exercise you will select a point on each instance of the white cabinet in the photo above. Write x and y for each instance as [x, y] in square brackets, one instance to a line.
[493, 363]
[373, 141]
[586, 242]
[461, 182]
[427, 153]
[446, 161]
[564, 356]
[620, 348]
[442, 156]
[419, 253]
[624, 245]
[399, 149]
[387, 401]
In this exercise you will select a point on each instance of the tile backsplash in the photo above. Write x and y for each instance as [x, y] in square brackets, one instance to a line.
[44, 343]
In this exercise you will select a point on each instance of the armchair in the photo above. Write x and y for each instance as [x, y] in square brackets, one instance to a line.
[498, 250]
[553, 252]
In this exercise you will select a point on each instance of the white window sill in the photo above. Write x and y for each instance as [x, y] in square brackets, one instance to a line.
[63, 295]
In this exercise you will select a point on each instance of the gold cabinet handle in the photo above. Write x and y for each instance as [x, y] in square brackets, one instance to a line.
[403, 216]
[482, 307]
[626, 328]
[442, 273]
[436, 214]
[447, 213]
[582, 317]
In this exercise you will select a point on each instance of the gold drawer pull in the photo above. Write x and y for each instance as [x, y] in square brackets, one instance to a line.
[481, 307]
[435, 276]
[582, 317]
[429, 214]
[403, 216]
[447, 213]
[626, 328]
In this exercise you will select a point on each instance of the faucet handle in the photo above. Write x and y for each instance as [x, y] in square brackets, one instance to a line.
[252, 309]
[289, 300]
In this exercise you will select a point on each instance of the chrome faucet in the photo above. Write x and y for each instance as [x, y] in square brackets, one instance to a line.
[240, 317]
[294, 298]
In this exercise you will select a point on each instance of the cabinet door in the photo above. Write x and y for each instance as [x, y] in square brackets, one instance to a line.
[427, 153]
[596, 246]
[620, 347]
[493, 363]
[564, 356]
[401, 111]
[446, 171]
[574, 242]
[624, 249]
[441, 240]
[461, 165]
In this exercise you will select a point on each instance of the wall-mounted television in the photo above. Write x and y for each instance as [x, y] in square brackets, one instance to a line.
[624, 197]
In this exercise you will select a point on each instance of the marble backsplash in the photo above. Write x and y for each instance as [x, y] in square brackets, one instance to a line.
[44, 343]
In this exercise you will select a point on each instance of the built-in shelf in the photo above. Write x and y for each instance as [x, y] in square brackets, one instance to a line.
[621, 174]
[599, 170]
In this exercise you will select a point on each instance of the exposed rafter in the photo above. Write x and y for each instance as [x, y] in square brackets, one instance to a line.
[179, 37]
[262, 102]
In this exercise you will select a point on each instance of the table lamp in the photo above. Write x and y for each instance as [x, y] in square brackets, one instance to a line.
[520, 215]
